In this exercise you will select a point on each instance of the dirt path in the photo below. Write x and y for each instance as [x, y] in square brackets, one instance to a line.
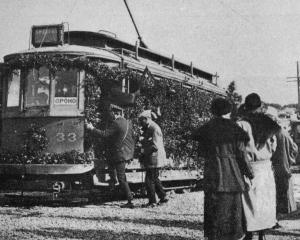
[181, 218]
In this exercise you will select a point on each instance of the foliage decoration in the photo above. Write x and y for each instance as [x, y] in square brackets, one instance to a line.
[183, 109]
[35, 143]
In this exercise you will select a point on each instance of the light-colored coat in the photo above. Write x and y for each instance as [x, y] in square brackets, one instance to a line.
[259, 202]
[153, 145]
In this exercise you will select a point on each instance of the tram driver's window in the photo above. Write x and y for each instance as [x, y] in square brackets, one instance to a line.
[37, 88]
[14, 89]
[66, 84]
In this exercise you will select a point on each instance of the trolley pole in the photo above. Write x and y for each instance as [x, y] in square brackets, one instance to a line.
[297, 78]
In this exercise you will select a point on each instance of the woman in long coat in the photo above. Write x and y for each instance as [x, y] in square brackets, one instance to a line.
[285, 155]
[222, 144]
[259, 202]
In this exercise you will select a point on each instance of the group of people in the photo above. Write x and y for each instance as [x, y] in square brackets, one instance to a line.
[153, 155]
[247, 178]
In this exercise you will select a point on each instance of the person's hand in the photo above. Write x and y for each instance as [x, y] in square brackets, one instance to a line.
[89, 126]
[248, 184]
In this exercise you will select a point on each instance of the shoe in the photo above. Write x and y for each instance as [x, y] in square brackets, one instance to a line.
[149, 205]
[249, 236]
[163, 200]
[276, 226]
[127, 205]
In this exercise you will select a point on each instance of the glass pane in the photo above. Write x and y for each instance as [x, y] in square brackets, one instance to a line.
[66, 84]
[48, 34]
[14, 89]
[37, 88]
[66, 87]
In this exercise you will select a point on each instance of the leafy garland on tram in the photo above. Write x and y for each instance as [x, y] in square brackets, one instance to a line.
[182, 108]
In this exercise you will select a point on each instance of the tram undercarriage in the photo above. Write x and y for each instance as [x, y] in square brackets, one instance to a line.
[79, 184]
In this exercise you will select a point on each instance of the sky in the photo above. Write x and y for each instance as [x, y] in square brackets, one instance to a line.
[254, 43]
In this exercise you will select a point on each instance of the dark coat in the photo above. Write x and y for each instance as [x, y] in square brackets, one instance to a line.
[120, 136]
[285, 154]
[222, 144]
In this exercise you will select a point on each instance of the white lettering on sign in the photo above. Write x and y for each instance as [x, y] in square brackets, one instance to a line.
[70, 137]
[65, 101]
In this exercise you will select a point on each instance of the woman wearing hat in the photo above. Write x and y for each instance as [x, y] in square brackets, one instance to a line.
[285, 155]
[259, 202]
[222, 144]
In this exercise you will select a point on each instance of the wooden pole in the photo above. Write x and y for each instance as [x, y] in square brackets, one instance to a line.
[298, 85]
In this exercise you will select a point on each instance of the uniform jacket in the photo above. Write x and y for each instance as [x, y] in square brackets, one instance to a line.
[120, 136]
[154, 151]
[222, 144]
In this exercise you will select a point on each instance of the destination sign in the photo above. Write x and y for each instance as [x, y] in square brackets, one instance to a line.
[65, 101]
[47, 35]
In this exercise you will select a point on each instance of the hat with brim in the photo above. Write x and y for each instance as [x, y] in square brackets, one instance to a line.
[252, 102]
[272, 113]
[220, 106]
[115, 108]
[145, 114]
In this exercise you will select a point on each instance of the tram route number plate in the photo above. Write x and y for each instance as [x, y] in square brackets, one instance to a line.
[62, 137]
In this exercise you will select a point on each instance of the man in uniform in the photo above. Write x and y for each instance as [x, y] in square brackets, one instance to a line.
[120, 136]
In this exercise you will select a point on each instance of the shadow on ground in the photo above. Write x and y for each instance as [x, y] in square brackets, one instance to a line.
[194, 225]
[65, 233]
[290, 232]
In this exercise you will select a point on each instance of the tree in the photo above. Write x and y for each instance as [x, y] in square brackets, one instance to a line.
[234, 98]
[232, 95]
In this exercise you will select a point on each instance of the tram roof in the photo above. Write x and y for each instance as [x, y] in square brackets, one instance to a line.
[156, 69]
[98, 39]
[71, 50]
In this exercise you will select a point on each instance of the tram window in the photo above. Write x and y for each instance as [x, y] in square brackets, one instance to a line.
[14, 89]
[37, 88]
[66, 84]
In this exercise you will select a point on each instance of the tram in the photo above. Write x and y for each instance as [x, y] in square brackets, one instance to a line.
[45, 86]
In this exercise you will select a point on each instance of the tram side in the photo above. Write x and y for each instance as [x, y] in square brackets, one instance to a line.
[47, 103]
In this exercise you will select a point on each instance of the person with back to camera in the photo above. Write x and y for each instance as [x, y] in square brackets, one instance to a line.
[259, 203]
[222, 144]
[153, 157]
[285, 155]
[120, 135]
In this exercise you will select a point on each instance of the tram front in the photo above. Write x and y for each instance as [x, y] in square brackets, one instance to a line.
[53, 101]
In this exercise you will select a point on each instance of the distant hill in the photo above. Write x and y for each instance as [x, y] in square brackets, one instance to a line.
[280, 107]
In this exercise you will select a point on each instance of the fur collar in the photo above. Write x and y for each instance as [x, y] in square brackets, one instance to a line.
[263, 127]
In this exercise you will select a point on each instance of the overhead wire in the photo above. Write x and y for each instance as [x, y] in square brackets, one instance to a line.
[71, 11]
[265, 84]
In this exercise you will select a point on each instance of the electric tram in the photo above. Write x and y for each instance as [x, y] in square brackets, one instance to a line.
[56, 101]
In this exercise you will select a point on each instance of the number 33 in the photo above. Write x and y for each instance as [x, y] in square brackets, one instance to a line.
[61, 137]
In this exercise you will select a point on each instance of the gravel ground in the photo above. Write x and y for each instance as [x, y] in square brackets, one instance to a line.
[181, 218]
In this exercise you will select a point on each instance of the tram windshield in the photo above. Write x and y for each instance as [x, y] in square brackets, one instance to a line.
[66, 84]
[37, 88]
[37, 83]
[13, 97]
